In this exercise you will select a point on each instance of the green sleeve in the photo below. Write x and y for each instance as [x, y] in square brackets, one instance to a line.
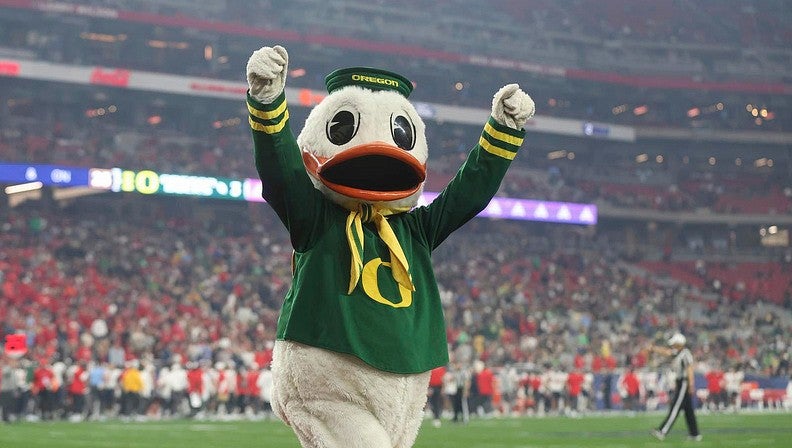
[285, 184]
[474, 185]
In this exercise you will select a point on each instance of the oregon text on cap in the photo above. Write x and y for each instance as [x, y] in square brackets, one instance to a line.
[369, 78]
[388, 82]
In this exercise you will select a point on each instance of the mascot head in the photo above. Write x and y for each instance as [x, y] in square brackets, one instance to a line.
[365, 143]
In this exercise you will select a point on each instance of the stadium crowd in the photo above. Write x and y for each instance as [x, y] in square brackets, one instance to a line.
[72, 139]
[545, 26]
[151, 292]
[693, 49]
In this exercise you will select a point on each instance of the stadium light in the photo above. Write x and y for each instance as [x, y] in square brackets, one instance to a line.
[21, 188]
[101, 37]
[155, 43]
[229, 122]
[559, 154]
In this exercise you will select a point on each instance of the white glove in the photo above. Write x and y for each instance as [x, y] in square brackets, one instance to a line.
[512, 107]
[266, 73]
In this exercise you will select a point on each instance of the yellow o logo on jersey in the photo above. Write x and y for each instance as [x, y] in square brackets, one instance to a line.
[371, 288]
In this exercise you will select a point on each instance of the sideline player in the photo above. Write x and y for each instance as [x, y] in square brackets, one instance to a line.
[684, 393]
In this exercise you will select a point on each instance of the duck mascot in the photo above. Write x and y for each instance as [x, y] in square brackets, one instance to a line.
[362, 324]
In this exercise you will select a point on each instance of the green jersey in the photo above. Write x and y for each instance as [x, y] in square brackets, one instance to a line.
[381, 322]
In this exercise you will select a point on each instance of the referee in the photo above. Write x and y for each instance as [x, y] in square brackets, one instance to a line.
[682, 365]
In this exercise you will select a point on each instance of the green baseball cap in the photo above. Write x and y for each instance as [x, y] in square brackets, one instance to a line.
[370, 78]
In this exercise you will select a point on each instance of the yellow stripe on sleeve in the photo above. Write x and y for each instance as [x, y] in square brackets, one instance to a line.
[267, 115]
[269, 129]
[492, 149]
[502, 136]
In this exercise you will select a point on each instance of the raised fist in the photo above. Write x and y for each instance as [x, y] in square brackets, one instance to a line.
[266, 73]
[512, 107]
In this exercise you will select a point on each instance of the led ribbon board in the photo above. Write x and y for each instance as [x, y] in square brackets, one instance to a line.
[503, 208]
[51, 175]
[150, 182]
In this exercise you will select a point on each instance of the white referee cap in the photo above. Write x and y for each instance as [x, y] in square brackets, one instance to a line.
[677, 339]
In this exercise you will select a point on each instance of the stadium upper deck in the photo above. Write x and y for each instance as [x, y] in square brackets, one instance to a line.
[676, 75]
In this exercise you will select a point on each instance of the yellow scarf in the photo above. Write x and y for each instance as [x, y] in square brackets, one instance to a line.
[354, 231]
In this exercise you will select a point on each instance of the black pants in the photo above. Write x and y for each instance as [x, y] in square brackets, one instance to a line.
[130, 402]
[46, 404]
[682, 400]
[573, 402]
[7, 403]
[456, 403]
[77, 403]
[106, 400]
[22, 402]
[176, 401]
[436, 401]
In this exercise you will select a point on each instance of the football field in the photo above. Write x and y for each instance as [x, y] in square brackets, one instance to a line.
[719, 430]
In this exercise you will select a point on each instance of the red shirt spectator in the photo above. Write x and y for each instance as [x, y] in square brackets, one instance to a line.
[536, 382]
[596, 364]
[485, 382]
[436, 377]
[252, 382]
[263, 357]
[77, 386]
[195, 381]
[631, 384]
[43, 379]
[83, 353]
[580, 361]
[241, 384]
[714, 381]
[575, 383]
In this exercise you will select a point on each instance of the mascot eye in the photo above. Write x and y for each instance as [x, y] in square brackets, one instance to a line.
[342, 127]
[403, 132]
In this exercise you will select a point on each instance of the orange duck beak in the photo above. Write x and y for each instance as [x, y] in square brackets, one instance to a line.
[375, 171]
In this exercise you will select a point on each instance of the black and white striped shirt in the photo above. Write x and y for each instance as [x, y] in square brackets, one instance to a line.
[680, 364]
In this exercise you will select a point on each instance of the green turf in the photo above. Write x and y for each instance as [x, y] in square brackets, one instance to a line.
[720, 430]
